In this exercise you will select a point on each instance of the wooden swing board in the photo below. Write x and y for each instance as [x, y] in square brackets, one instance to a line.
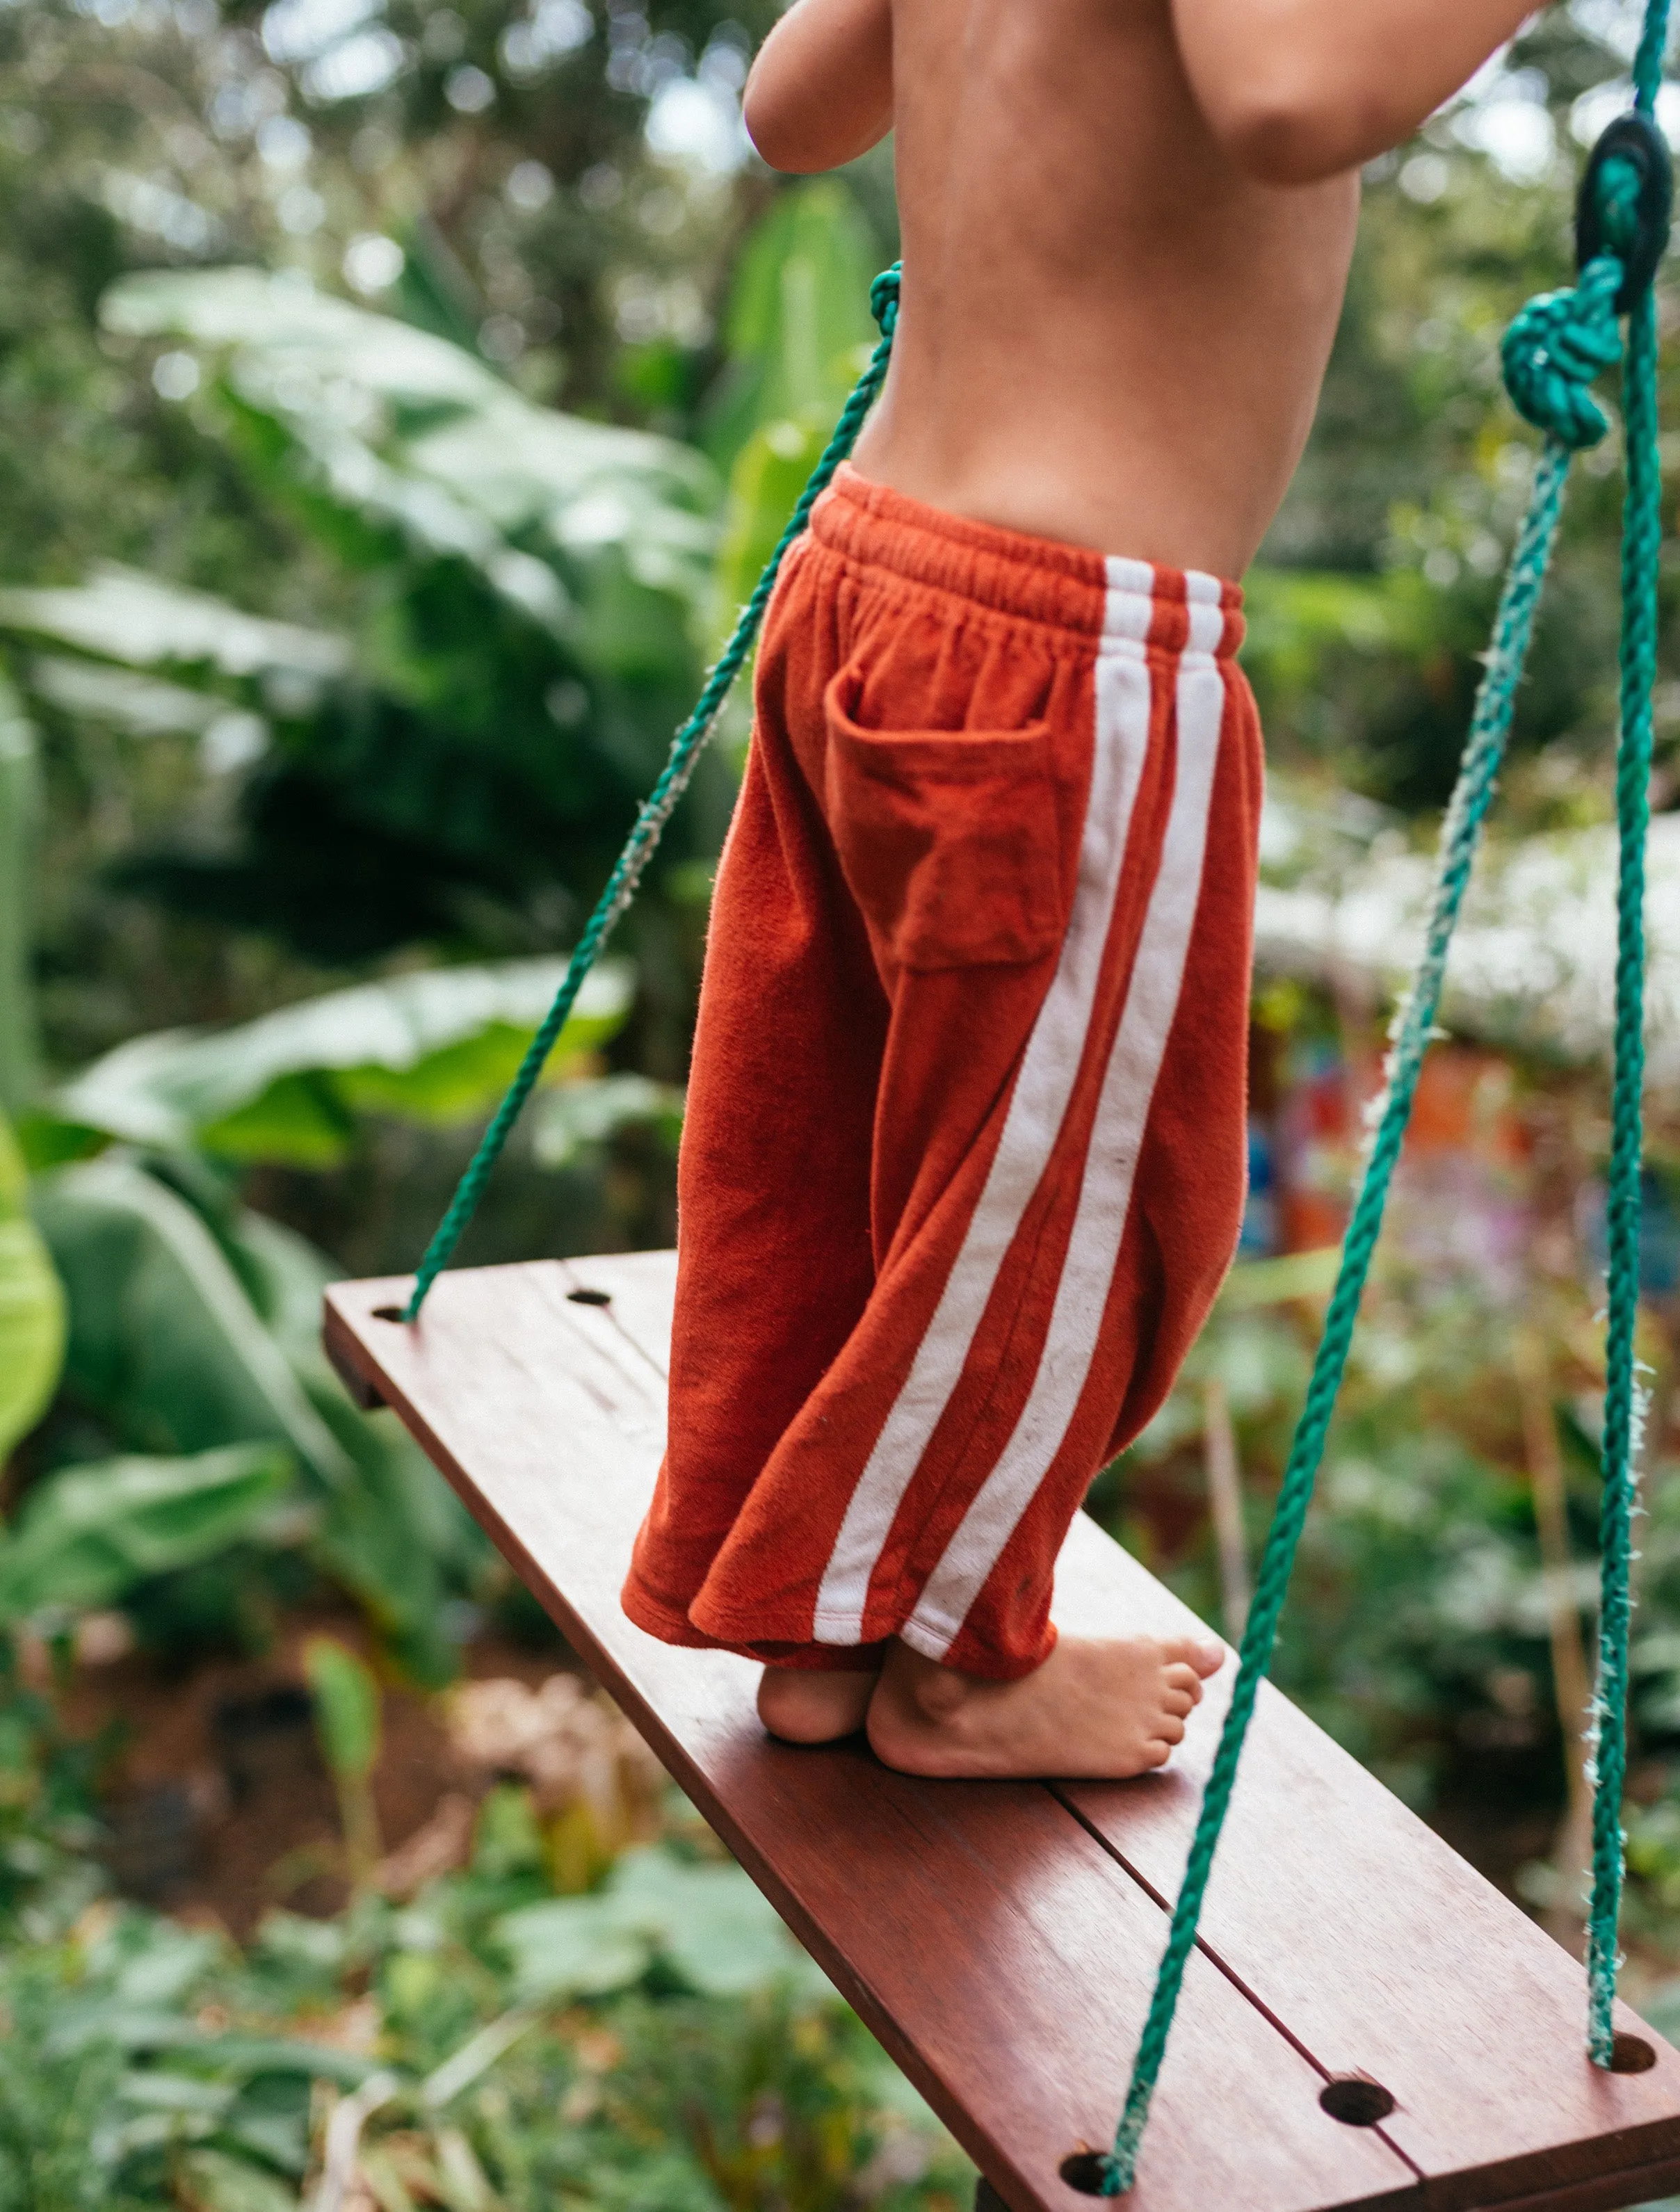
[1001, 1939]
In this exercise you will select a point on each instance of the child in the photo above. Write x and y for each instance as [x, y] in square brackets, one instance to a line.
[964, 1164]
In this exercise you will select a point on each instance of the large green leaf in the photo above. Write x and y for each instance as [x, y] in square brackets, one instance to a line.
[406, 439]
[196, 1323]
[436, 1046]
[164, 1340]
[136, 621]
[20, 805]
[798, 314]
[32, 1307]
[709, 1924]
[87, 1536]
[797, 332]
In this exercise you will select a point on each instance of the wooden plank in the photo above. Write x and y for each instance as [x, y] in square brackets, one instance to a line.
[1638, 2186]
[1348, 1918]
[997, 1950]
[1003, 1965]
[1320, 1867]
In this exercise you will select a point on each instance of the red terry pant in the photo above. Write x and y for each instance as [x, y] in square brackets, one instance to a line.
[964, 1155]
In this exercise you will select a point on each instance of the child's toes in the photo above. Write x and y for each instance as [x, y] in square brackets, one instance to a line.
[1199, 1653]
[1182, 1679]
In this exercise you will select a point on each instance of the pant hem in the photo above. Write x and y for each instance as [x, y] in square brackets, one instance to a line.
[671, 1625]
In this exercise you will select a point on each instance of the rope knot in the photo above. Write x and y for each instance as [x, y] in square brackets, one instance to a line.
[1555, 348]
[884, 299]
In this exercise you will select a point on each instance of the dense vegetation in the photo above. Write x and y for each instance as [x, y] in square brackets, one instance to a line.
[395, 402]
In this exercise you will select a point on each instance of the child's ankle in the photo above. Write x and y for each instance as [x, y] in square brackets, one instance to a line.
[937, 1694]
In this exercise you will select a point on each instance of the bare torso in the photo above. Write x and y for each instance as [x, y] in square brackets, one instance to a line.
[1108, 333]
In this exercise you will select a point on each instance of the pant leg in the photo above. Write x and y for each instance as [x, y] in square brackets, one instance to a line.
[1157, 1208]
[773, 1260]
[1022, 812]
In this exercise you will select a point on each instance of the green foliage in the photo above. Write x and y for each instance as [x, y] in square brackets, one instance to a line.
[189, 2074]
[165, 1343]
[194, 1326]
[797, 332]
[31, 1306]
[20, 809]
[347, 1723]
[87, 1536]
[524, 646]
[437, 1047]
[707, 1926]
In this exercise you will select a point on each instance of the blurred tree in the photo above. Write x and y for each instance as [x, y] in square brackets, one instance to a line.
[1418, 467]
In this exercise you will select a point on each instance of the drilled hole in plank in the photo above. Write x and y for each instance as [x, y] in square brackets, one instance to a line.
[1631, 2054]
[387, 1313]
[1084, 2169]
[1356, 2100]
[589, 1297]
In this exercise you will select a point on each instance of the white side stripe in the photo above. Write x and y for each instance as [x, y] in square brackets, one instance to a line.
[1105, 1191]
[1048, 1066]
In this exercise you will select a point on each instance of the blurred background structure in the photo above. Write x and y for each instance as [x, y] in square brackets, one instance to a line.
[396, 402]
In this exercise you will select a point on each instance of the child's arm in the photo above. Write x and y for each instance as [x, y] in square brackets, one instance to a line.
[1296, 91]
[820, 92]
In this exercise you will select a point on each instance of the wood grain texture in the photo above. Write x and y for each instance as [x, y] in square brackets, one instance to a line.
[1348, 1919]
[1001, 1939]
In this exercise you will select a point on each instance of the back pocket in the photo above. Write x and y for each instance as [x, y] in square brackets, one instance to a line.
[947, 838]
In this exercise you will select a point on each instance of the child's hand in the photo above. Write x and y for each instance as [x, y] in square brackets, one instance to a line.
[820, 92]
[1295, 90]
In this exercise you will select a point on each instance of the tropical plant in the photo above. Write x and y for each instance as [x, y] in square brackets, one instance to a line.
[435, 1047]
[522, 641]
[347, 1723]
[796, 333]
[31, 1306]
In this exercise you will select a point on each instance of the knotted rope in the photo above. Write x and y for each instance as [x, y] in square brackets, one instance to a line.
[1555, 347]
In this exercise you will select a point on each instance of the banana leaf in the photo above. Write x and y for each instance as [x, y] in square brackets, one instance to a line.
[87, 1536]
[195, 1324]
[396, 441]
[164, 1343]
[32, 1307]
[573, 1119]
[20, 806]
[129, 620]
[797, 331]
[437, 1047]
[708, 1924]
[797, 315]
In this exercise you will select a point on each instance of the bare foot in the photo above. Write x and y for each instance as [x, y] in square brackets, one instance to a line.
[1093, 1712]
[803, 1704]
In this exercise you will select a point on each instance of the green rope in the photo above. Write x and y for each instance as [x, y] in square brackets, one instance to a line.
[1553, 347]
[657, 808]
[1641, 533]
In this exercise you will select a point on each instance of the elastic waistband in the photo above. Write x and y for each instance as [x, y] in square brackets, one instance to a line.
[1037, 579]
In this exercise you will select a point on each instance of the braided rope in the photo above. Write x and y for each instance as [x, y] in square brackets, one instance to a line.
[657, 808]
[1415, 1023]
[1553, 347]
